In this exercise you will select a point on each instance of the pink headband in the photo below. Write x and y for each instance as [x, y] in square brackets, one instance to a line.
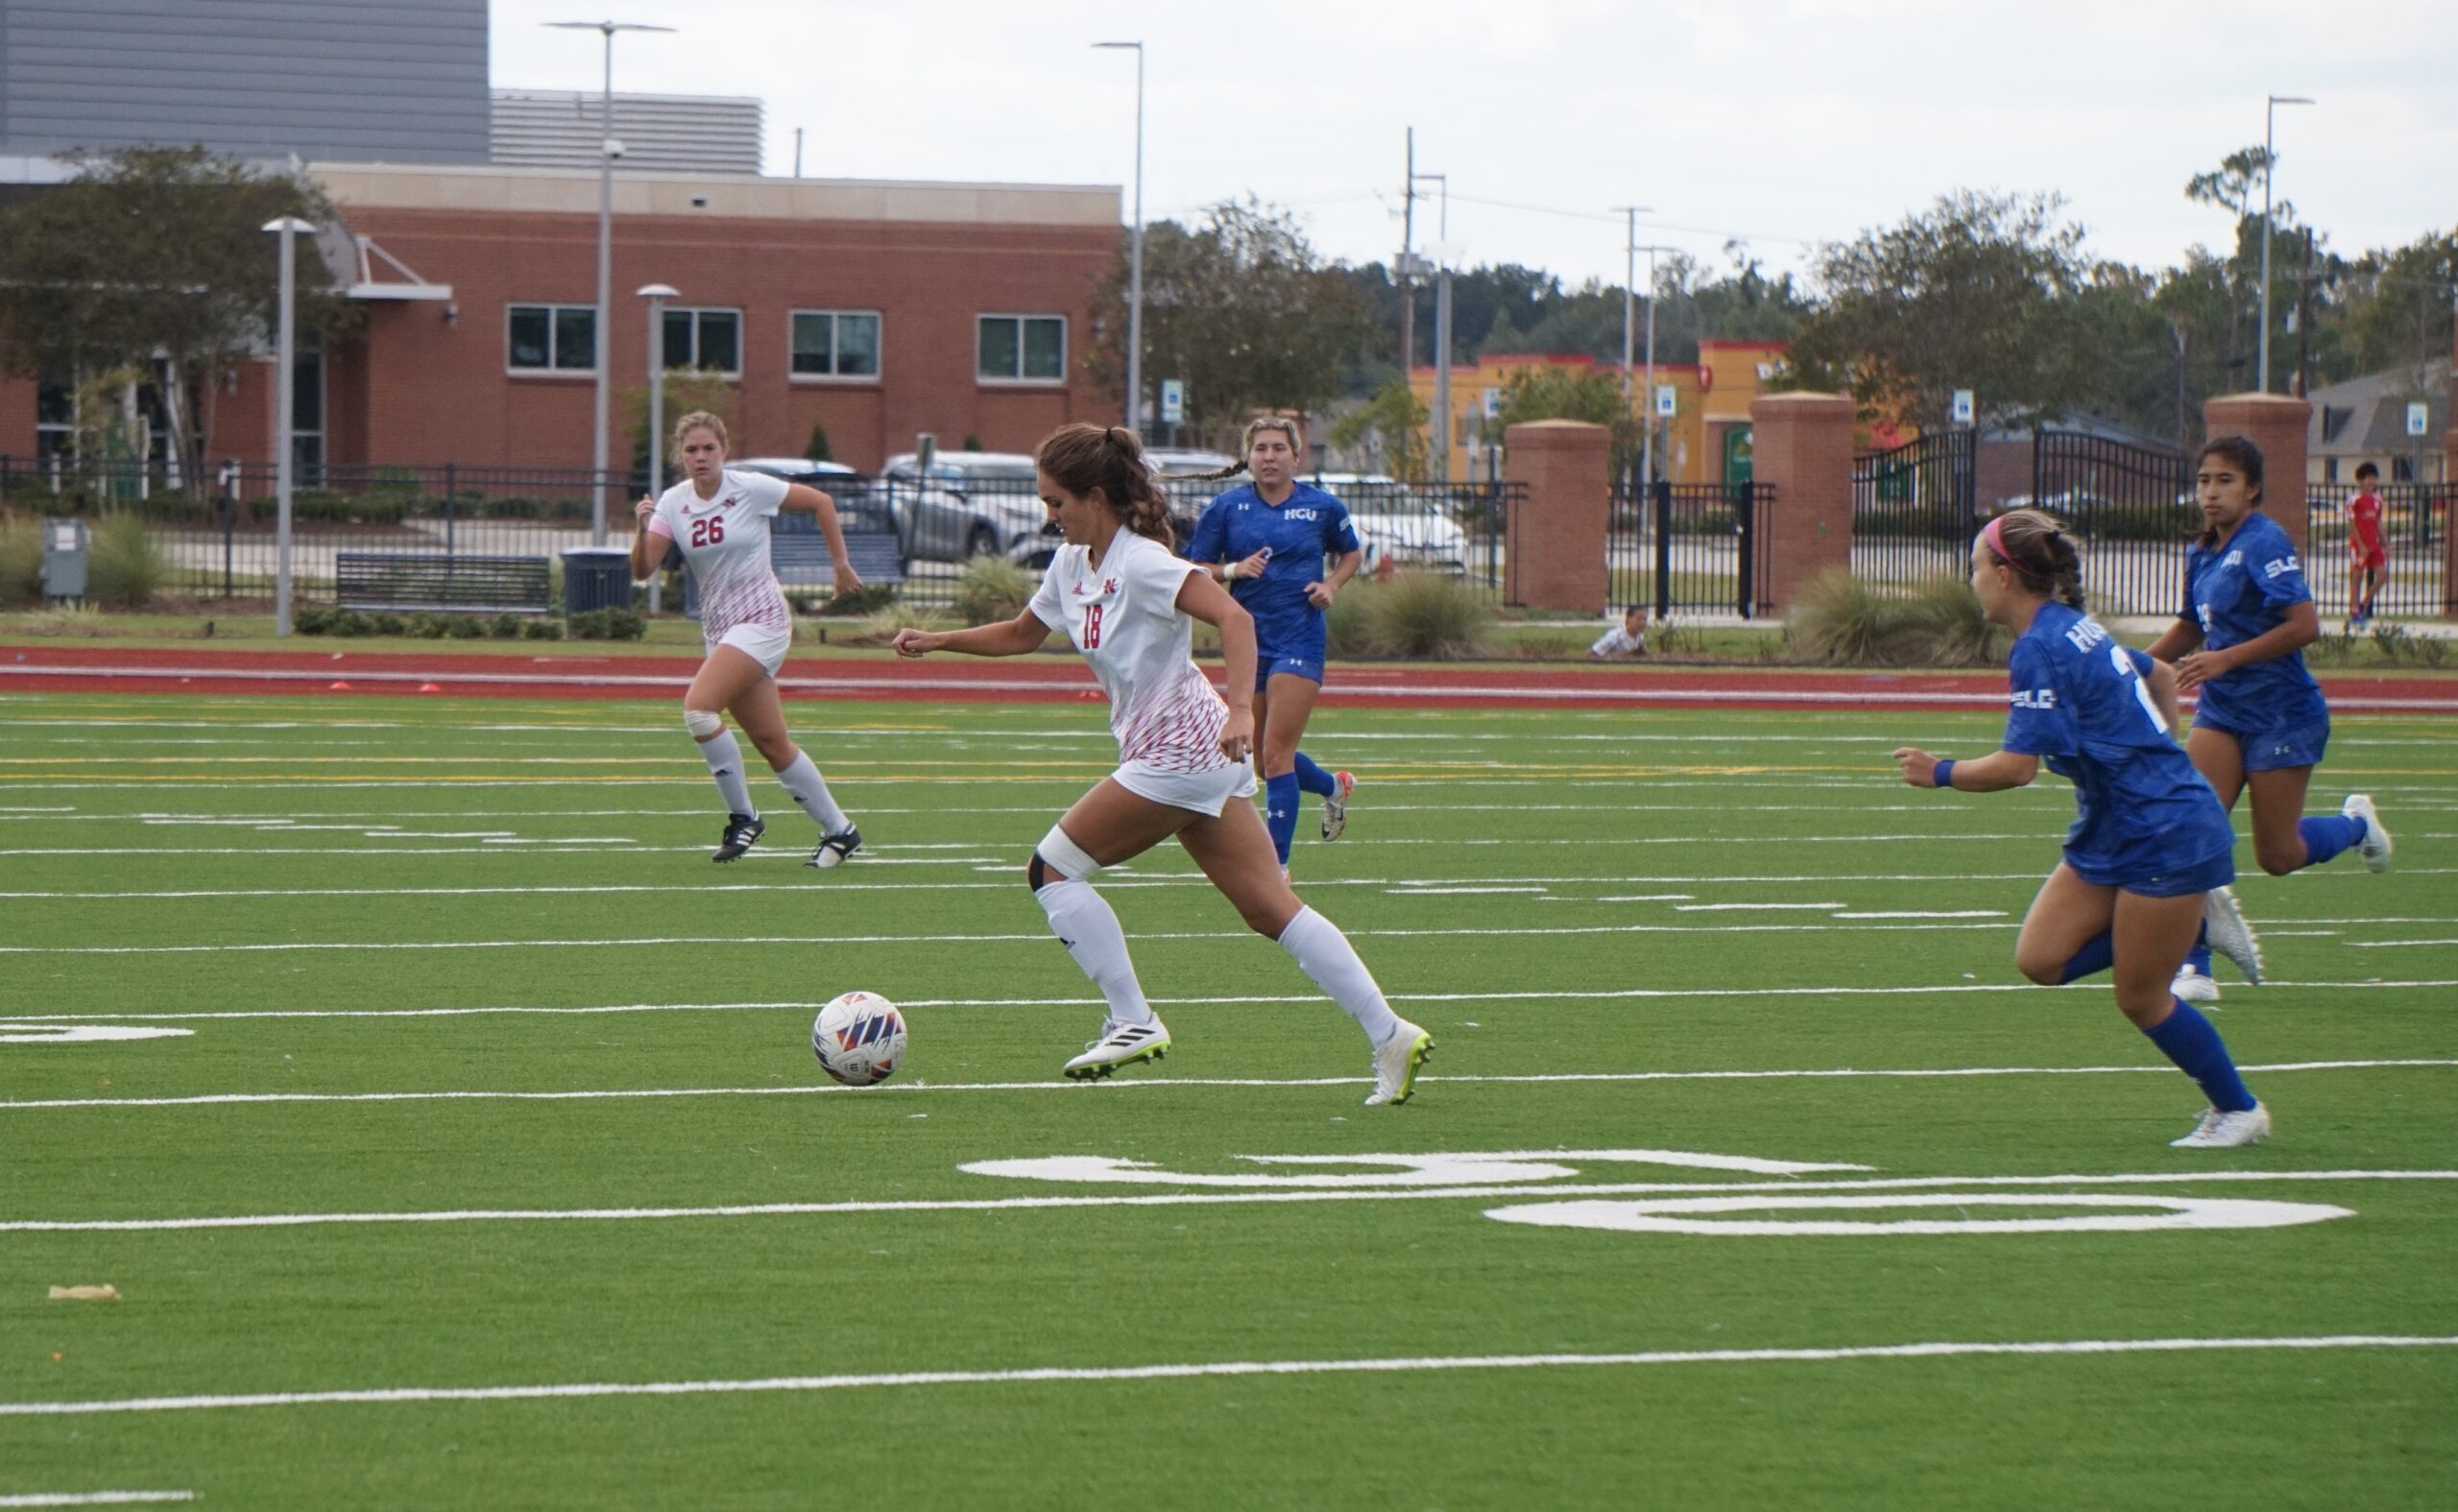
[1992, 536]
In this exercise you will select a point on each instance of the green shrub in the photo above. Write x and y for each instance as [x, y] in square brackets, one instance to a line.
[503, 627]
[1424, 616]
[1946, 614]
[870, 600]
[124, 568]
[21, 564]
[429, 626]
[1842, 621]
[543, 630]
[312, 619]
[991, 588]
[386, 623]
[2393, 643]
[1344, 629]
[344, 622]
[607, 624]
[462, 627]
[880, 627]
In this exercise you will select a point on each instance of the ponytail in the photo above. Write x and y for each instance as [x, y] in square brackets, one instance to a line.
[1084, 459]
[2043, 558]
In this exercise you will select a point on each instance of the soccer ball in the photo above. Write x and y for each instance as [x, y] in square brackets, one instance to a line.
[859, 1038]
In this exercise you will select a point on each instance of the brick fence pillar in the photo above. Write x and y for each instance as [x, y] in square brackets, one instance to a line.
[1801, 449]
[1554, 541]
[2276, 423]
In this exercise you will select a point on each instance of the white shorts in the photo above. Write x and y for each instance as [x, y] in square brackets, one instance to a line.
[1206, 792]
[758, 642]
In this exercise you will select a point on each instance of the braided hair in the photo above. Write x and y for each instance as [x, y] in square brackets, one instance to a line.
[1082, 459]
[2043, 558]
[1246, 446]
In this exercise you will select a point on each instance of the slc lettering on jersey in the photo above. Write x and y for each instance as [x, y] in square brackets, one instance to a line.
[2282, 567]
[2034, 698]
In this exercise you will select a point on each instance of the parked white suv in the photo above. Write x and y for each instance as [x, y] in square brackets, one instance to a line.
[1397, 523]
[971, 504]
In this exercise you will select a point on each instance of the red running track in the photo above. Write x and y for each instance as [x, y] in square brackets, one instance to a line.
[90, 670]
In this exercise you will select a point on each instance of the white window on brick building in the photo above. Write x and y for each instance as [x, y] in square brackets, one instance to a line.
[551, 338]
[704, 341]
[1022, 348]
[836, 343]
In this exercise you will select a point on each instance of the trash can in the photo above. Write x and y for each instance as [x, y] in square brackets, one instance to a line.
[64, 549]
[596, 577]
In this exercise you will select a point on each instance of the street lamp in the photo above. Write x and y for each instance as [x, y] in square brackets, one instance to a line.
[286, 380]
[1135, 257]
[1630, 249]
[2269, 171]
[606, 148]
[656, 294]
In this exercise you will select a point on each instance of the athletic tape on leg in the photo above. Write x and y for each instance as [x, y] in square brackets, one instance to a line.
[1062, 855]
[702, 724]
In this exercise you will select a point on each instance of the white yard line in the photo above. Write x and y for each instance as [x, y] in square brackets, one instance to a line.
[391, 1395]
[831, 1089]
[1612, 994]
[93, 1498]
[1175, 1199]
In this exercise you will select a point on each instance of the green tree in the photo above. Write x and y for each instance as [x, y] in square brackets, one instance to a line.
[687, 390]
[1534, 394]
[1242, 309]
[1393, 425]
[816, 449]
[1974, 293]
[154, 258]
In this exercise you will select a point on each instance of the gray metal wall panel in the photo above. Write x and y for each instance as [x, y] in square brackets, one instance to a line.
[333, 78]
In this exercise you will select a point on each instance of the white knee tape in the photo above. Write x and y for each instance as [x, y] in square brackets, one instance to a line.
[703, 725]
[1065, 855]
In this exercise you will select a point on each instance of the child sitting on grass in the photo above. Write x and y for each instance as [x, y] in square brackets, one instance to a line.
[1629, 639]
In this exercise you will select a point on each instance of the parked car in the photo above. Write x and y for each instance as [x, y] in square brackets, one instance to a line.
[856, 507]
[1396, 523]
[970, 504]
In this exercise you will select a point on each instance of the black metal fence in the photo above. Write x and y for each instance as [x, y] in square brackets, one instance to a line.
[219, 540]
[1692, 546]
[1915, 509]
[2134, 509]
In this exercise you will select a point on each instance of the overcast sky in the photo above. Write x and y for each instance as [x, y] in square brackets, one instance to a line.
[1785, 122]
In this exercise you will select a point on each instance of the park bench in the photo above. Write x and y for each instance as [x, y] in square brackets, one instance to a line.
[438, 580]
[800, 559]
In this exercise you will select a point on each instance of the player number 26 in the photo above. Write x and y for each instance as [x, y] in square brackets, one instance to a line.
[707, 531]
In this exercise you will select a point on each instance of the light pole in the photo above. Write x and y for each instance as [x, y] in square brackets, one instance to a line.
[2269, 171]
[1629, 294]
[656, 294]
[606, 148]
[285, 361]
[1134, 258]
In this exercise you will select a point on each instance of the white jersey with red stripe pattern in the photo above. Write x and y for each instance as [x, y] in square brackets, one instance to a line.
[1122, 615]
[725, 540]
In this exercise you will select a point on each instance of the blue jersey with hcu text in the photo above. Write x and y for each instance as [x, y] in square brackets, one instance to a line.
[2080, 703]
[1301, 531]
[2238, 591]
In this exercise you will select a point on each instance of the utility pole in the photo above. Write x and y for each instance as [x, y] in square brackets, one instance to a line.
[2269, 171]
[1407, 252]
[2304, 321]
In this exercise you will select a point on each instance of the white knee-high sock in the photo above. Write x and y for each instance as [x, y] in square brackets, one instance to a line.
[810, 790]
[1082, 920]
[1325, 954]
[725, 764]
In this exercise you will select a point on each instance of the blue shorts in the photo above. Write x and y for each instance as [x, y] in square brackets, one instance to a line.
[2272, 750]
[1297, 656]
[2215, 871]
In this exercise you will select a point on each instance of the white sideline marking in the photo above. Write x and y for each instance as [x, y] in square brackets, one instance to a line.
[1037, 937]
[2384, 945]
[1724, 909]
[1670, 1215]
[1941, 838]
[1614, 995]
[15, 1033]
[1439, 892]
[1950, 913]
[1175, 1199]
[93, 1498]
[831, 1088]
[1446, 1168]
[392, 1394]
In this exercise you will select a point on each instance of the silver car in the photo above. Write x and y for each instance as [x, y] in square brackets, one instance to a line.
[968, 504]
[1396, 523]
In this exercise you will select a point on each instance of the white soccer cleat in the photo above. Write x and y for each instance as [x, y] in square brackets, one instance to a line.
[2223, 918]
[2376, 846]
[1120, 1045]
[1395, 1065]
[1335, 806]
[2226, 1131]
[2194, 987]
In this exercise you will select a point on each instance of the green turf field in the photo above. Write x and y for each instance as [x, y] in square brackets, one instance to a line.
[497, 1102]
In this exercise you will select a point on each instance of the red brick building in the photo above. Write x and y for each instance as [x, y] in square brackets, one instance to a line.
[875, 309]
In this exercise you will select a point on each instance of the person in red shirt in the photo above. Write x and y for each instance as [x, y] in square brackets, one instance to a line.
[2368, 563]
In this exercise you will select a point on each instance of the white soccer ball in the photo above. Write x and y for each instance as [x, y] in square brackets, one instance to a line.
[860, 1039]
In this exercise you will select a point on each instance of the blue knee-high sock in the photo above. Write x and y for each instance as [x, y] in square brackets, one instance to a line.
[2098, 952]
[1313, 779]
[2326, 837]
[2197, 959]
[1280, 812]
[2186, 1038]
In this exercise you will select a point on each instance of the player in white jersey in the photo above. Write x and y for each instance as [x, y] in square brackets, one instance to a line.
[1186, 764]
[719, 522]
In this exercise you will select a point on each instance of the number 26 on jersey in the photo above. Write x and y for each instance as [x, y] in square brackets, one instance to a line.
[707, 531]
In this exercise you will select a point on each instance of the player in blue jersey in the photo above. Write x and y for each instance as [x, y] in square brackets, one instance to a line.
[2150, 843]
[2239, 640]
[1267, 540]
